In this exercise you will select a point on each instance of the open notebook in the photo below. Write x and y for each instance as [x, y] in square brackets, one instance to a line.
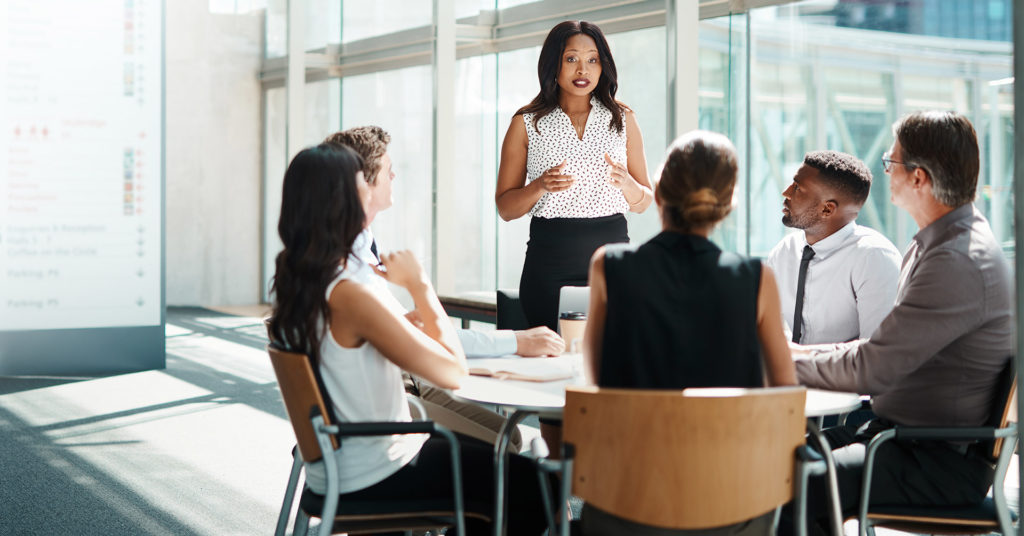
[534, 369]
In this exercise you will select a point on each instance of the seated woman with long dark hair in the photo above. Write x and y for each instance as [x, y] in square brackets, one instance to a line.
[335, 307]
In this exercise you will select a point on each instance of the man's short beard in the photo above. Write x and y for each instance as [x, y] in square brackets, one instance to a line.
[796, 223]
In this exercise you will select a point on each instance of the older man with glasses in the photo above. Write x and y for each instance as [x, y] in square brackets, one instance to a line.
[935, 359]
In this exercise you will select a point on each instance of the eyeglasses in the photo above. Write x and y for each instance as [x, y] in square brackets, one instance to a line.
[888, 162]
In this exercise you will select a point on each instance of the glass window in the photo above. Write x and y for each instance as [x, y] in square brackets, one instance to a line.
[517, 85]
[361, 19]
[467, 8]
[822, 75]
[323, 110]
[995, 186]
[502, 4]
[277, 29]
[322, 25]
[640, 60]
[721, 98]
[476, 137]
[838, 76]
[399, 101]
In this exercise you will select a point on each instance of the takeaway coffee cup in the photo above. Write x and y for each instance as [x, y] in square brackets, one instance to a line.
[571, 325]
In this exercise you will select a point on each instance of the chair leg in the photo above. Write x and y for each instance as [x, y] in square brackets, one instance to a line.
[800, 499]
[301, 524]
[289, 494]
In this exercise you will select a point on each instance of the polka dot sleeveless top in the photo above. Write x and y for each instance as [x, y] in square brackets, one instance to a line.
[590, 196]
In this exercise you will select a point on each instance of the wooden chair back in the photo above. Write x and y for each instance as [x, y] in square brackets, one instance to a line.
[691, 459]
[1004, 409]
[302, 399]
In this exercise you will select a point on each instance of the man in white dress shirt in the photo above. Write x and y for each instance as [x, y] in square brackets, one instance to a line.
[371, 143]
[850, 272]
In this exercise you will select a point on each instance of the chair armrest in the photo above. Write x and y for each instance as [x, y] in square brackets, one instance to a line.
[415, 402]
[909, 433]
[807, 454]
[356, 429]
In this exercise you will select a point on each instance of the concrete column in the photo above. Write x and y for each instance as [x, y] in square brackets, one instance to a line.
[296, 81]
[681, 23]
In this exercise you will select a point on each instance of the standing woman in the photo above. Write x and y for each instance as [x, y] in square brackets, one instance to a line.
[573, 159]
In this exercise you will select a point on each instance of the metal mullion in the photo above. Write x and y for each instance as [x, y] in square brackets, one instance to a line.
[512, 29]
[1018, 211]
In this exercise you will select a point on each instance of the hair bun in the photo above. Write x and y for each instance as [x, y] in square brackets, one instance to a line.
[703, 196]
[697, 181]
[703, 207]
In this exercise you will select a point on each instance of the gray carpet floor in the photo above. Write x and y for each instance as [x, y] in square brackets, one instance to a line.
[202, 447]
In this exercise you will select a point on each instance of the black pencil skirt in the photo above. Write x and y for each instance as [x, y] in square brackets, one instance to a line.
[558, 255]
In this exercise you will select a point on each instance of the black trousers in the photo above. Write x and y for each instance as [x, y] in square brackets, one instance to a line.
[922, 473]
[429, 477]
[558, 255]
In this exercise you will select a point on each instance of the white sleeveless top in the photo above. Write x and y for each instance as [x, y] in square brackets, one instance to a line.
[364, 386]
[590, 196]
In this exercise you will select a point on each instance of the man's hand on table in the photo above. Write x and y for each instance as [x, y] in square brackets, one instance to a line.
[539, 341]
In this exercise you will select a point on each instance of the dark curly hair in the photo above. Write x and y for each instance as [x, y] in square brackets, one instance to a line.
[842, 172]
[550, 63]
[321, 215]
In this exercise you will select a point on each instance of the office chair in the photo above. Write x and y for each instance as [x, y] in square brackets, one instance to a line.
[711, 457]
[308, 410]
[998, 438]
[509, 311]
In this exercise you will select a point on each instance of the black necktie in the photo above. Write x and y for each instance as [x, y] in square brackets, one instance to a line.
[798, 310]
[373, 249]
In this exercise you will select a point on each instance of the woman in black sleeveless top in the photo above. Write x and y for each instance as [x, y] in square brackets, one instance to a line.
[677, 311]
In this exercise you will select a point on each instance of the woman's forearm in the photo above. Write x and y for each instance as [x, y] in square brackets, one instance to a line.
[515, 203]
[636, 195]
[436, 323]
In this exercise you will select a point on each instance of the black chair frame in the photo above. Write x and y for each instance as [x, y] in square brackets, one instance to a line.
[998, 440]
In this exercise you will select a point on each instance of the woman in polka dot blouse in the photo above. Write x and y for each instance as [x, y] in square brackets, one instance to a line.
[573, 159]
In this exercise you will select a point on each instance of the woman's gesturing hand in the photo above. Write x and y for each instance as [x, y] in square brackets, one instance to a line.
[553, 180]
[618, 175]
[402, 269]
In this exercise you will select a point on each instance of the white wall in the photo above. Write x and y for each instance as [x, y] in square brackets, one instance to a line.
[213, 154]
